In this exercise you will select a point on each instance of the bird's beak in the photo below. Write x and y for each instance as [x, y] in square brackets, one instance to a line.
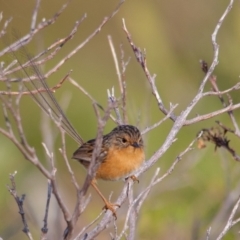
[136, 145]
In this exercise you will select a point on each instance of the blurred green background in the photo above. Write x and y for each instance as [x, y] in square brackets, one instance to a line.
[176, 35]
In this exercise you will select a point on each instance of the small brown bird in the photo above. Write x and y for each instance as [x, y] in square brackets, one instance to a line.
[121, 155]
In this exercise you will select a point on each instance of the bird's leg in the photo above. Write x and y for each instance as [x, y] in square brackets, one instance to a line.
[108, 205]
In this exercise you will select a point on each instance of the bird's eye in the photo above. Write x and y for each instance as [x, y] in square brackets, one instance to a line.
[124, 140]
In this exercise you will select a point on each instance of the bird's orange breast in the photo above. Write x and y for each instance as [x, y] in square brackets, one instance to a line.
[120, 163]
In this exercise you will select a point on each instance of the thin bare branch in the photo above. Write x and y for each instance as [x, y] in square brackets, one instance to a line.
[81, 45]
[146, 130]
[27, 151]
[77, 85]
[27, 38]
[19, 201]
[57, 45]
[34, 16]
[230, 222]
[208, 233]
[114, 101]
[213, 81]
[123, 79]
[40, 90]
[3, 31]
[234, 88]
[64, 154]
[212, 114]
[120, 80]
[79, 236]
[45, 220]
[141, 58]
[55, 190]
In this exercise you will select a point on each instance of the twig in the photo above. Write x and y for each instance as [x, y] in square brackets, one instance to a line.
[19, 201]
[230, 222]
[213, 81]
[129, 213]
[34, 16]
[208, 233]
[88, 226]
[23, 146]
[46, 100]
[114, 102]
[95, 161]
[113, 51]
[45, 220]
[93, 34]
[141, 58]
[94, 164]
[211, 115]
[55, 190]
[120, 81]
[64, 154]
[227, 129]
[146, 130]
[124, 93]
[27, 38]
[133, 216]
[3, 31]
[77, 85]
[57, 45]
[234, 88]
[40, 90]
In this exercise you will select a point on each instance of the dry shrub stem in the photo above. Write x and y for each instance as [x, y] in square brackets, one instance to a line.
[19, 201]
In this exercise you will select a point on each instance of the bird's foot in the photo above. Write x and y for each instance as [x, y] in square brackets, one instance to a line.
[134, 178]
[111, 206]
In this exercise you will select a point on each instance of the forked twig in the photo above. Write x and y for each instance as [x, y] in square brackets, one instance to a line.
[19, 201]
[230, 222]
